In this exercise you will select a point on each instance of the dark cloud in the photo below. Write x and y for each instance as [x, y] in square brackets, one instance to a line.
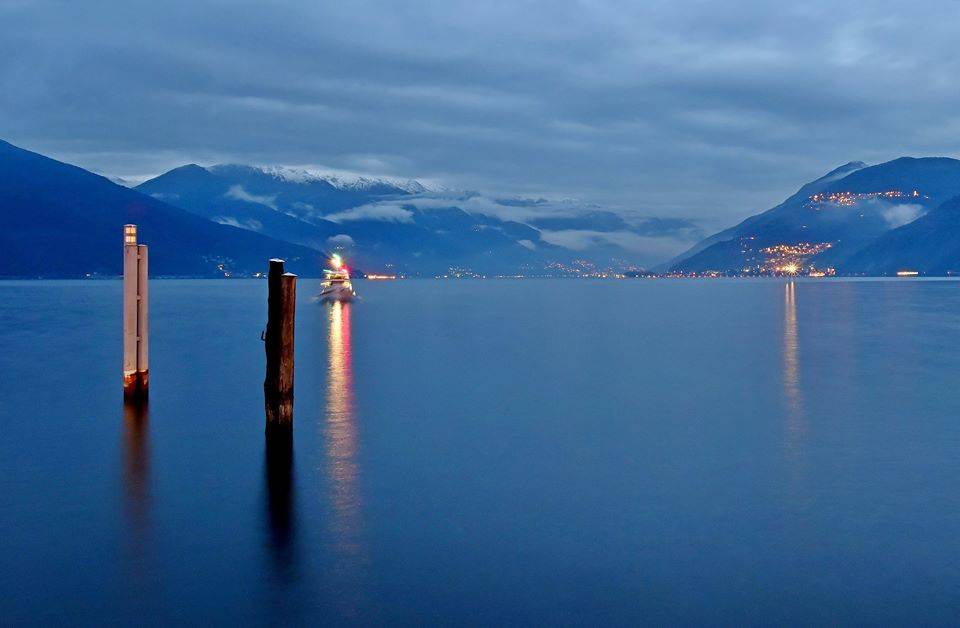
[704, 110]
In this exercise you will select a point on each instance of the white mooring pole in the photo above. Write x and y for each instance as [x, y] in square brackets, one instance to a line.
[135, 364]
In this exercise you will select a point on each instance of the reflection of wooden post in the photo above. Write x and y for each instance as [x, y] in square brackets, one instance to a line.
[278, 339]
[135, 362]
[279, 467]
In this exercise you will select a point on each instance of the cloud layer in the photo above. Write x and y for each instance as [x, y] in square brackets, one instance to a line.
[390, 212]
[692, 109]
[237, 192]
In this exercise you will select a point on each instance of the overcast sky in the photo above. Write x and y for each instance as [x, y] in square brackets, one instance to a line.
[705, 110]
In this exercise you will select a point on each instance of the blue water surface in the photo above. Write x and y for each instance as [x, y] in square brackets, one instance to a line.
[487, 452]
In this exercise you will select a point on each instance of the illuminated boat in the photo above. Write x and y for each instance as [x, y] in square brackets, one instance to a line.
[336, 284]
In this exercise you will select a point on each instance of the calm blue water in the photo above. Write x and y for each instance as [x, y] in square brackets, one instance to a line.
[488, 452]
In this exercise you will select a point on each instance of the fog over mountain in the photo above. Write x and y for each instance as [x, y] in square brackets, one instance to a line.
[419, 228]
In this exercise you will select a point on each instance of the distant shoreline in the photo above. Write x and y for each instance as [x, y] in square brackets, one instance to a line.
[770, 278]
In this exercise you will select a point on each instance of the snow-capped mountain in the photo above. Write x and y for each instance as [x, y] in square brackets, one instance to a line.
[78, 217]
[341, 179]
[378, 219]
[406, 223]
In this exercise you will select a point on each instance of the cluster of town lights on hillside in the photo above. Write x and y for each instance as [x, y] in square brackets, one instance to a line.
[789, 259]
[850, 199]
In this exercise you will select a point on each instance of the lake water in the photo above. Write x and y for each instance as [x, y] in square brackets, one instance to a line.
[488, 452]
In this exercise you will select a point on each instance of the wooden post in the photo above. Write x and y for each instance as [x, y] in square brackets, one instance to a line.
[135, 361]
[278, 342]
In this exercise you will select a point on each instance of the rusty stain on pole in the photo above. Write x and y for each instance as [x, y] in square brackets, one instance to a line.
[278, 343]
[135, 304]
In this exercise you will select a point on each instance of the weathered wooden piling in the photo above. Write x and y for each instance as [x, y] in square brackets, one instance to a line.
[136, 369]
[278, 342]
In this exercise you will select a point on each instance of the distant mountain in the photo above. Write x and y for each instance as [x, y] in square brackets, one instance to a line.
[730, 234]
[409, 227]
[594, 220]
[121, 182]
[828, 221]
[58, 220]
[236, 193]
[382, 223]
[250, 199]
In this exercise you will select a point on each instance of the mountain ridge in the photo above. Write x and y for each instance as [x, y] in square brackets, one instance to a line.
[59, 220]
[227, 219]
[726, 234]
[375, 222]
[829, 220]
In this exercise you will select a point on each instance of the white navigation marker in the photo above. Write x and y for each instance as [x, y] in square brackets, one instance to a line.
[135, 343]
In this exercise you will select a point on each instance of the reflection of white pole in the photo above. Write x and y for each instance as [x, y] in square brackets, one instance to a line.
[134, 316]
